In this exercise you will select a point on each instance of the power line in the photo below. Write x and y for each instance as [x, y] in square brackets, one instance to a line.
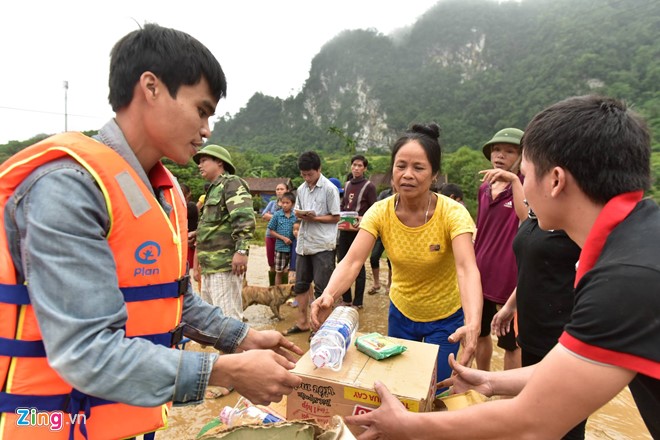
[47, 112]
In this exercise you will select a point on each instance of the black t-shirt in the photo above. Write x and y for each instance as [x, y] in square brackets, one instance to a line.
[616, 317]
[546, 273]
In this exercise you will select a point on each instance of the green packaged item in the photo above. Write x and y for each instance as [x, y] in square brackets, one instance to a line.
[378, 346]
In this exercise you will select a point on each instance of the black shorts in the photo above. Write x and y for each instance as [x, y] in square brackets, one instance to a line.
[508, 341]
[317, 268]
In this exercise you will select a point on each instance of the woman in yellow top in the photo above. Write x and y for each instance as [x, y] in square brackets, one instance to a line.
[436, 289]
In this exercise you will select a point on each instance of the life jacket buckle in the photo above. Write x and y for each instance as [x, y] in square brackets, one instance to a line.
[183, 284]
[177, 335]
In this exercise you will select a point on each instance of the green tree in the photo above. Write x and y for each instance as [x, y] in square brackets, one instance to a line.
[12, 147]
[349, 143]
[287, 166]
[462, 168]
[654, 192]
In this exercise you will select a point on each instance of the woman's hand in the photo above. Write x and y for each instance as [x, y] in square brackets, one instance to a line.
[502, 320]
[321, 309]
[468, 337]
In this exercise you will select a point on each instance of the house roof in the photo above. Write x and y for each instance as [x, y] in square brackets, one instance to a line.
[266, 184]
[379, 179]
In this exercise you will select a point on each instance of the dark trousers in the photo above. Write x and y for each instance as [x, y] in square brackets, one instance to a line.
[376, 253]
[343, 245]
[316, 268]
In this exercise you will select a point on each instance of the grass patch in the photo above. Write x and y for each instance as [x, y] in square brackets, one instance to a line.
[260, 232]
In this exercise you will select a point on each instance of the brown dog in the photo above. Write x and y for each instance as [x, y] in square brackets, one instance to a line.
[273, 296]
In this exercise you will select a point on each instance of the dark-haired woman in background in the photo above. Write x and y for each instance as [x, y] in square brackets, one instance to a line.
[436, 292]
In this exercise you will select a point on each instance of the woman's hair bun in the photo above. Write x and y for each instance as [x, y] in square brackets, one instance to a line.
[432, 130]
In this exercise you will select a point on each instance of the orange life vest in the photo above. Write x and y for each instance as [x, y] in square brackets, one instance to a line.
[150, 253]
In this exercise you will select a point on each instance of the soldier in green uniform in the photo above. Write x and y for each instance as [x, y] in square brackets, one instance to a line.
[224, 232]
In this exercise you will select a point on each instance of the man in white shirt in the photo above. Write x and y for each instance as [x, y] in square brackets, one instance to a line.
[317, 208]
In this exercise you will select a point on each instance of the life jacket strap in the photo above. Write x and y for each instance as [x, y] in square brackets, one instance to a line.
[14, 294]
[17, 348]
[174, 289]
[31, 349]
[17, 294]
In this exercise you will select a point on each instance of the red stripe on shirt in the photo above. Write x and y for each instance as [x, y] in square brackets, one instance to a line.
[611, 357]
[158, 176]
[613, 213]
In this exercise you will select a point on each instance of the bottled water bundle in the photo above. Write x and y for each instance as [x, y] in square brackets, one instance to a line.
[329, 345]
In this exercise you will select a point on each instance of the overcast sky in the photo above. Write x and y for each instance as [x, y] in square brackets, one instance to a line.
[263, 46]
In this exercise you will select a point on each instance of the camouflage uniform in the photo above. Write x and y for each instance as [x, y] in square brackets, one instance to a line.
[226, 225]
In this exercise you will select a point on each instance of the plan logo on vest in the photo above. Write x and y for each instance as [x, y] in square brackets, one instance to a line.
[147, 253]
[508, 204]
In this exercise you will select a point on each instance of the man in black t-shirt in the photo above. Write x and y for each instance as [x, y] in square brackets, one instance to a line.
[586, 162]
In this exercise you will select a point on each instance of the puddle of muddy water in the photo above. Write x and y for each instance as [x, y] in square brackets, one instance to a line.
[618, 420]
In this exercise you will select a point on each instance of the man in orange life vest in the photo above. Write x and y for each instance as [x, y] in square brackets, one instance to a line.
[93, 241]
[586, 162]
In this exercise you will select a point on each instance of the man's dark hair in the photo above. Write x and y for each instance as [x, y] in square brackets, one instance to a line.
[427, 136]
[289, 196]
[173, 56]
[309, 160]
[603, 144]
[361, 158]
[451, 189]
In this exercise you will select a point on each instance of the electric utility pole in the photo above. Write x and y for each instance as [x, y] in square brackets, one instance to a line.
[66, 114]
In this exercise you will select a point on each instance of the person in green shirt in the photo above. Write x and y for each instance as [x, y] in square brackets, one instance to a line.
[224, 232]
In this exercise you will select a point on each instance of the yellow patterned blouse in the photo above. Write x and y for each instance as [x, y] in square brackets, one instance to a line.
[424, 281]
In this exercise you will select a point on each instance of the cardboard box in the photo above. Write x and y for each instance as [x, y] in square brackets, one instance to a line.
[459, 401]
[410, 376]
[348, 219]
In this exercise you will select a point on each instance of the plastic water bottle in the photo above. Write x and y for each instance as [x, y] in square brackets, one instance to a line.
[328, 346]
[245, 413]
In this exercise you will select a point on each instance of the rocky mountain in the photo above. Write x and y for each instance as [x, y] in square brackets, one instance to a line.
[473, 66]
